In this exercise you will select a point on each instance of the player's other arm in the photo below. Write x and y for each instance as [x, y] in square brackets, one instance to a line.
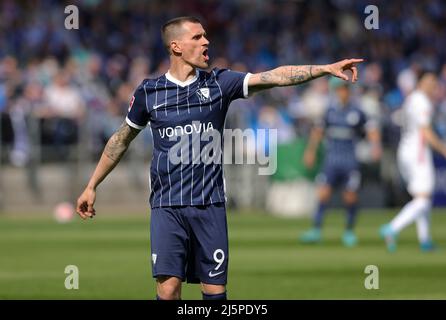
[315, 139]
[294, 75]
[116, 146]
[434, 141]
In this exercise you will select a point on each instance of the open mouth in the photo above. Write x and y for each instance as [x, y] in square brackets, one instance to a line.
[205, 55]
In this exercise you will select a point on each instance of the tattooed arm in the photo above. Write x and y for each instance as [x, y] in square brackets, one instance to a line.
[294, 75]
[114, 150]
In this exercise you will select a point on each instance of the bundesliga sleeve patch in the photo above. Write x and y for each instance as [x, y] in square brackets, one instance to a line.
[131, 103]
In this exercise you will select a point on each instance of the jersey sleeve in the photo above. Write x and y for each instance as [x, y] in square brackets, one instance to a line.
[232, 83]
[138, 114]
[364, 120]
[364, 123]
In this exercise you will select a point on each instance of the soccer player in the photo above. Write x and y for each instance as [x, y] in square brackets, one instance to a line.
[188, 216]
[415, 164]
[343, 124]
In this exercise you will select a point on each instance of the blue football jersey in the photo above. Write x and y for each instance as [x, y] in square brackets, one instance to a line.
[186, 114]
[343, 126]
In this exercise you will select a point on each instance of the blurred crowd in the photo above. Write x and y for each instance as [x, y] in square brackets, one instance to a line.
[62, 87]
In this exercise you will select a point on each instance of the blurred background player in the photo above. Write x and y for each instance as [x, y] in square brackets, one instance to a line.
[415, 163]
[343, 124]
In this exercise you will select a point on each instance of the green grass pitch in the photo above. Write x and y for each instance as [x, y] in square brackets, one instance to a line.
[266, 260]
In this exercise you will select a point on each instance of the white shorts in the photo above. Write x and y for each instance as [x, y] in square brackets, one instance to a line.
[419, 175]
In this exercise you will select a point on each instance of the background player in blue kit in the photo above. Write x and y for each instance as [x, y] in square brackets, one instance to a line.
[188, 218]
[343, 125]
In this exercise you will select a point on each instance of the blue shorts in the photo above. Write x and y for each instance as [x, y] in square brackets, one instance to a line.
[190, 242]
[347, 177]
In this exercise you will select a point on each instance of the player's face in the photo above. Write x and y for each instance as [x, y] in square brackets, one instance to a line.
[343, 93]
[194, 45]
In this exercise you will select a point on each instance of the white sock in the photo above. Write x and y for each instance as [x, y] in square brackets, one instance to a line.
[423, 227]
[410, 212]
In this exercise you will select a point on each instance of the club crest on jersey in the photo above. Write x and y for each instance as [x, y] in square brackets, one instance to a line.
[131, 103]
[353, 118]
[203, 94]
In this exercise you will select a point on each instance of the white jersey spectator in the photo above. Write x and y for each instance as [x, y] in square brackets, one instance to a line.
[415, 164]
[414, 153]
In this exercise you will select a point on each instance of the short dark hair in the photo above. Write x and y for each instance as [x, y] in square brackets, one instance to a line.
[424, 72]
[169, 28]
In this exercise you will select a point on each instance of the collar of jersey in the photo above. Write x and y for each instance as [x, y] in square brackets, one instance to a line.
[182, 83]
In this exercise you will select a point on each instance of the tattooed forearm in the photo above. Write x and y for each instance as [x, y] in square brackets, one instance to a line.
[291, 75]
[113, 152]
[119, 142]
[297, 75]
[286, 76]
[294, 75]
[266, 76]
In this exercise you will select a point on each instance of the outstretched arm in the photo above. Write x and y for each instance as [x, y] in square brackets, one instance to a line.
[114, 150]
[294, 75]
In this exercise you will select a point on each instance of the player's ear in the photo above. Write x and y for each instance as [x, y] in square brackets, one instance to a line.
[175, 47]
